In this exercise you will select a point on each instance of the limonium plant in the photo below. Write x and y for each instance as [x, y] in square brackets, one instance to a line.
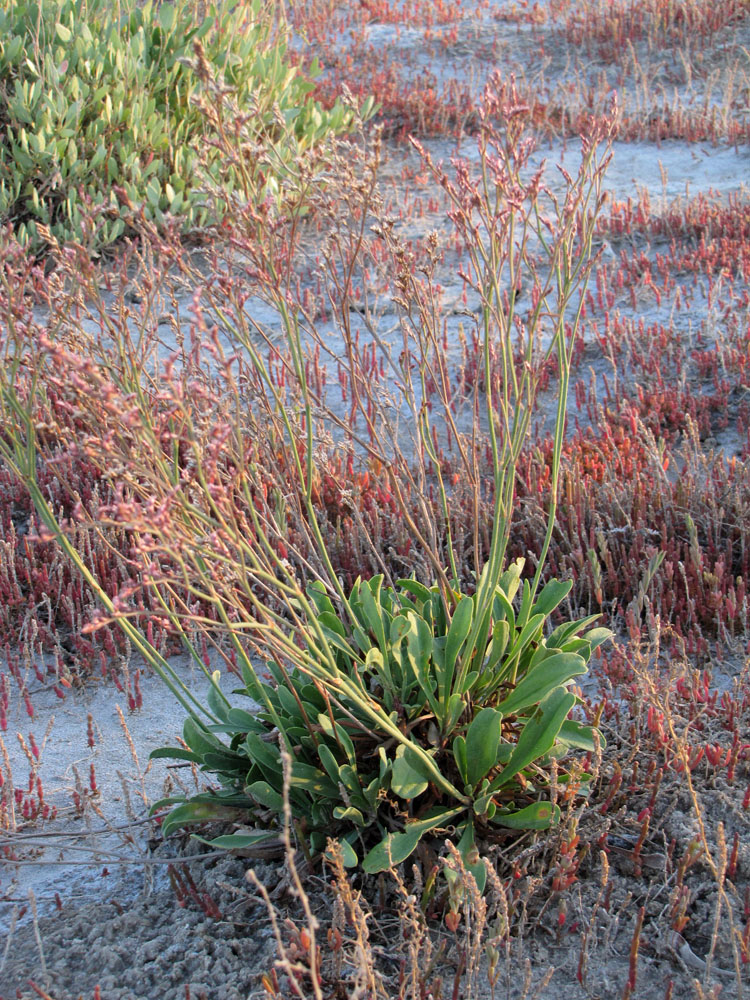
[410, 704]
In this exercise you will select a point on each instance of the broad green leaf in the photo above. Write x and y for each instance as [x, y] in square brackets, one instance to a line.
[469, 682]
[370, 597]
[175, 753]
[371, 793]
[500, 636]
[419, 648]
[574, 734]
[289, 704]
[329, 762]
[567, 630]
[313, 780]
[397, 847]
[337, 732]
[478, 652]
[531, 631]
[551, 596]
[483, 804]
[197, 812]
[252, 684]
[216, 700]
[525, 610]
[482, 742]
[539, 734]
[418, 590]
[552, 672]
[458, 632]
[262, 793]
[579, 646]
[439, 613]
[511, 578]
[470, 856]
[335, 640]
[459, 755]
[503, 609]
[332, 622]
[166, 16]
[241, 720]
[239, 841]
[316, 592]
[399, 627]
[349, 814]
[226, 762]
[405, 781]
[422, 761]
[453, 712]
[350, 779]
[543, 653]
[375, 662]
[415, 761]
[265, 754]
[597, 636]
[198, 738]
[160, 804]
[361, 638]
[538, 816]
[348, 854]
[311, 694]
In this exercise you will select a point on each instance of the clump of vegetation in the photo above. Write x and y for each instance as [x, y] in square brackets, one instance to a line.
[99, 110]
[427, 719]
[407, 705]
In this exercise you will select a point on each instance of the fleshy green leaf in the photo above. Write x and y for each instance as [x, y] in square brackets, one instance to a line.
[574, 734]
[470, 856]
[266, 755]
[551, 596]
[337, 732]
[459, 755]
[216, 700]
[397, 847]
[196, 812]
[266, 796]
[458, 632]
[405, 781]
[239, 841]
[539, 734]
[348, 854]
[498, 645]
[552, 672]
[241, 720]
[175, 753]
[567, 630]
[419, 646]
[482, 742]
[538, 816]
[418, 590]
[329, 762]
[349, 814]
[198, 738]
[597, 636]
[370, 597]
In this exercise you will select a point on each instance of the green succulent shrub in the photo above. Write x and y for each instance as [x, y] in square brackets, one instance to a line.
[98, 112]
[416, 728]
